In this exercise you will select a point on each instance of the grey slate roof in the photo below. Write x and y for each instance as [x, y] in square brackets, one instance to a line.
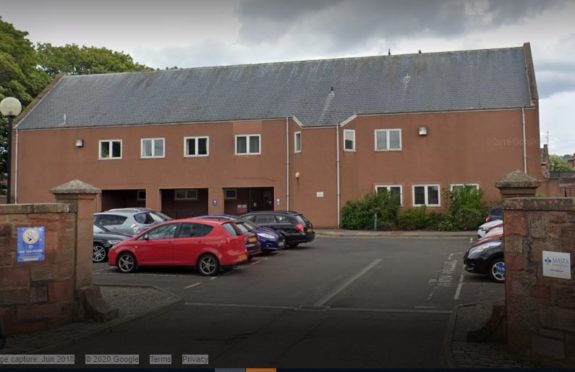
[428, 82]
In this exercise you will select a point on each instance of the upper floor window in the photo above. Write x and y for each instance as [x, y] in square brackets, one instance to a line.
[110, 149]
[387, 139]
[196, 146]
[427, 195]
[297, 142]
[152, 148]
[457, 186]
[349, 140]
[248, 144]
[395, 190]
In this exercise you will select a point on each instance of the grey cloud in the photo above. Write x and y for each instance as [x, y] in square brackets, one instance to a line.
[348, 22]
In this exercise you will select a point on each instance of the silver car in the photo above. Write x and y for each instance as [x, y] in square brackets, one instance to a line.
[129, 221]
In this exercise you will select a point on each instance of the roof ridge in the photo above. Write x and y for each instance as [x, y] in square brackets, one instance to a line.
[334, 59]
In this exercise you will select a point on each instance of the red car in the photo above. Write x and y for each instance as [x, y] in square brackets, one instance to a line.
[206, 245]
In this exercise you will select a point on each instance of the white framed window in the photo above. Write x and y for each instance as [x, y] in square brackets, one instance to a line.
[393, 189]
[230, 194]
[141, 195]
[196, 146]
[152, 148]
[110, 149]
[186, 194]
[297, 142]
[248, 144]
[388, 140]
[428, 195]
[455, 186]
[349, 139]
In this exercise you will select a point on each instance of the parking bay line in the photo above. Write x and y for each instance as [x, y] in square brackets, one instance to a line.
[325, 299]
[192, 285]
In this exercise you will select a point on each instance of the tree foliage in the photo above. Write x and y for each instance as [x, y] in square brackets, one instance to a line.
[25, 69]
[558, 164]
[75, 60]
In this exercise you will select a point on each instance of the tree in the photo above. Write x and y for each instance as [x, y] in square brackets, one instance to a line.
[25, 71]
[75, 60]
[558, 164]
[19, 76]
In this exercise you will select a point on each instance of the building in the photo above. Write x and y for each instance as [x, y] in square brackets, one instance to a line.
[306, 136]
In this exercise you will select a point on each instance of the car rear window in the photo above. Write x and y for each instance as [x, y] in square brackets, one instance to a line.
[144, 218]
[110, 219]
[232, 229]
[242, 227]
[194, 230]
[301, 220]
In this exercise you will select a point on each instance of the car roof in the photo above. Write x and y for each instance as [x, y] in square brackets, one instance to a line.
[227, 217]
[291, 213]
[205, 221]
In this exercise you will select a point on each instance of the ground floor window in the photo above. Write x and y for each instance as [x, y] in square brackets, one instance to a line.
[186, 194]
[426, 195]
[393, 189]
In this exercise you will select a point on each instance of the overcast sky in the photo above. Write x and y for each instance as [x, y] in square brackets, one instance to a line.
[191, 33]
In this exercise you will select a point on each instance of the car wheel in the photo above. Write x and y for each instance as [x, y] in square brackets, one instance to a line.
[497, 270]
[99, 253]
[208, 265]
[127, 262]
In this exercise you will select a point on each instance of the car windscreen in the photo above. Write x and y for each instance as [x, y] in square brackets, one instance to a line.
[160, 217]
[144, 218]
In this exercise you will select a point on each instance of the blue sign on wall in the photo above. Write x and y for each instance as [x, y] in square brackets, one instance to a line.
[31, 244]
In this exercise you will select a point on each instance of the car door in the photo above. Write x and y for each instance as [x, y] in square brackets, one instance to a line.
[190, 243]
[156, 247]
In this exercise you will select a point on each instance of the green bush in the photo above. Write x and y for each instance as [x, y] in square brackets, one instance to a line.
[359, 215]
[414, 219]
[467, 209]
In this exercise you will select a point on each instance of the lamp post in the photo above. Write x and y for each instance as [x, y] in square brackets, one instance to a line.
[10, 107]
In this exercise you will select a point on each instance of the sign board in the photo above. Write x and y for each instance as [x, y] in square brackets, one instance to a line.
[319, 194]
[31, 244]
[278, 201]
[557, 265]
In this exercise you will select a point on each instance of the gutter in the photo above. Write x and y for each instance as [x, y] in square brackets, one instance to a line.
[337, 165]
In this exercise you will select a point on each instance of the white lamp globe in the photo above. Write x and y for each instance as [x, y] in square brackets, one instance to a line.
[10, 106]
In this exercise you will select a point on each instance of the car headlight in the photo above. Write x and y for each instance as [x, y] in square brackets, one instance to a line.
[267, 236]
[114, 241]
[476, 251]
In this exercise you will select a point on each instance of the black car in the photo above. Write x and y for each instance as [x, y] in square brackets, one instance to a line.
[496, 213]
[486, 257]
[293, 226]
[104, 239]
[253, 245]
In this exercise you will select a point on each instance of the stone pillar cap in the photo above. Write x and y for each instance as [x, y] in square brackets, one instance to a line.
[517, 179]
[75, 187]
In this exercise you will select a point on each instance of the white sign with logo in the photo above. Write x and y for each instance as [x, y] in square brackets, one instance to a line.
[557, 265]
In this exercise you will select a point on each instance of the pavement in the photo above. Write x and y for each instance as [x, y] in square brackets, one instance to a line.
[136, 302]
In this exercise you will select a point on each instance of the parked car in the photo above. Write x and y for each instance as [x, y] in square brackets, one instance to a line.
[486, 257]
[104, 239]
[496, 213]
[207, 245]
[487, 226]
[252, 243]
[293, 226]
[270, 241]
[129, 221]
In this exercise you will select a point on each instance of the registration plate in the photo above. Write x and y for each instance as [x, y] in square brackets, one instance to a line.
[309, 230]
[243, 257]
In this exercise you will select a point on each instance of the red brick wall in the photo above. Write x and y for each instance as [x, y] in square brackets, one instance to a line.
[37, 295]
[540, 310]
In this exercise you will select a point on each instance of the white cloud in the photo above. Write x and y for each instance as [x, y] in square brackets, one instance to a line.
[556, 118]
